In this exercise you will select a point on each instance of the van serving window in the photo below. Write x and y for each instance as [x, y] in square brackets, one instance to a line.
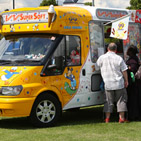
[96, 40]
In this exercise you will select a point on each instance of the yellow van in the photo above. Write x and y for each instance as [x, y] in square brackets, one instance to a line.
[47, 60]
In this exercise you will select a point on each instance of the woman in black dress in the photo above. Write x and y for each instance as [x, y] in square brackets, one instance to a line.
[138, 81]
[133, 95]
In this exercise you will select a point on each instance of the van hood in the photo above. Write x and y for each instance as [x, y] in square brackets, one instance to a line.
[18, 75]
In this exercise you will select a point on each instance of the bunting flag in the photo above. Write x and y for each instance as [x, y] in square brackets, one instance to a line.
[120, 28]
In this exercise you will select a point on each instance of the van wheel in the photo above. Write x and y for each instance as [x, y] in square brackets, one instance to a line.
[45, 111]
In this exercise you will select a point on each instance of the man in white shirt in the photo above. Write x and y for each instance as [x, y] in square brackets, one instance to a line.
[114, 74]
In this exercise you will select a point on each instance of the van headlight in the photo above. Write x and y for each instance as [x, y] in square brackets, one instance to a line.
[11, 91]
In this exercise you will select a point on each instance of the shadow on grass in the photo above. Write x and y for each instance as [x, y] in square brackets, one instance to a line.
[82, 116]
[15, 123]
[93, 115]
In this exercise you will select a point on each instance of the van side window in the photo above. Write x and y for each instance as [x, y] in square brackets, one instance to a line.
[58, 59]
[96, 40]
[73, 51]
[68, 53]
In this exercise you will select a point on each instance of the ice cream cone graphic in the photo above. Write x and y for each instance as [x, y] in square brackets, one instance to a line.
[50, 16]
[51, 13]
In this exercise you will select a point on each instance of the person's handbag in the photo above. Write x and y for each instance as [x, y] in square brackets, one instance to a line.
[138, 74]
[131, 77]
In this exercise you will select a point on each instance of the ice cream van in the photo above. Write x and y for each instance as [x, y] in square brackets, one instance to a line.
[48, 59]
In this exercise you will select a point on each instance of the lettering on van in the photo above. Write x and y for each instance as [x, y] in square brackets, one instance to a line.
[109, 14]
[71, 18]
[25, 17]
[73, 27]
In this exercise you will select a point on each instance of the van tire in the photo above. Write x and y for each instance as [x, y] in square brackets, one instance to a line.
[46, 111]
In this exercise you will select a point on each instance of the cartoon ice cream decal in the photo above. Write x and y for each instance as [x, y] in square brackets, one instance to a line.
[9, 74]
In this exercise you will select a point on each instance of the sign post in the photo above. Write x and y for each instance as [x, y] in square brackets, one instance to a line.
[13, 4]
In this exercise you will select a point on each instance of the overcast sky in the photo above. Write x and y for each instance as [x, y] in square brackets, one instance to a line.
[8, 4]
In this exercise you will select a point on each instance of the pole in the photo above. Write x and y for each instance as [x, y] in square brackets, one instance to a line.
[93, 3]
[13, 4]
[118, 19]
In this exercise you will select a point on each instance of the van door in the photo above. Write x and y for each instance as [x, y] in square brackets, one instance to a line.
[89, 92]
[64, 67]
[90, 79]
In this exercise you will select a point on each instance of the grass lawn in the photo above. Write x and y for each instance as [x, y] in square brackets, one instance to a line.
[82, 125]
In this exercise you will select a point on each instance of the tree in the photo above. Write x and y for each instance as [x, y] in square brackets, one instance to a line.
[135, 4]
[48, 3]
[88, 3]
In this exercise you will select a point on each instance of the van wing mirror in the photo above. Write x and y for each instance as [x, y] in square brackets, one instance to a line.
[59, 61]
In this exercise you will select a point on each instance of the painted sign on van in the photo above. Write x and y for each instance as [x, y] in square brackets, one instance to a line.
[110, 14]
[25, 17]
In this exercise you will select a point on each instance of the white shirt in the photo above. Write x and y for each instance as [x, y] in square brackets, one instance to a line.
[112, 66]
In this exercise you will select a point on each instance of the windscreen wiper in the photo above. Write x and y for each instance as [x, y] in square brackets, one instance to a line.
[26, 61]
[3, 62]
[14, 62]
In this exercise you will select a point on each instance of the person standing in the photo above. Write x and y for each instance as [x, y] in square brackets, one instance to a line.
[138, 82]
[114, 74]
[132, 89]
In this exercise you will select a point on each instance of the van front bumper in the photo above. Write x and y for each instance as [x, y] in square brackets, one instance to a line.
[16, 107]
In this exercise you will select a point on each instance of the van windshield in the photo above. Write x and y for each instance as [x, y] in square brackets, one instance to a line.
[27, 47]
